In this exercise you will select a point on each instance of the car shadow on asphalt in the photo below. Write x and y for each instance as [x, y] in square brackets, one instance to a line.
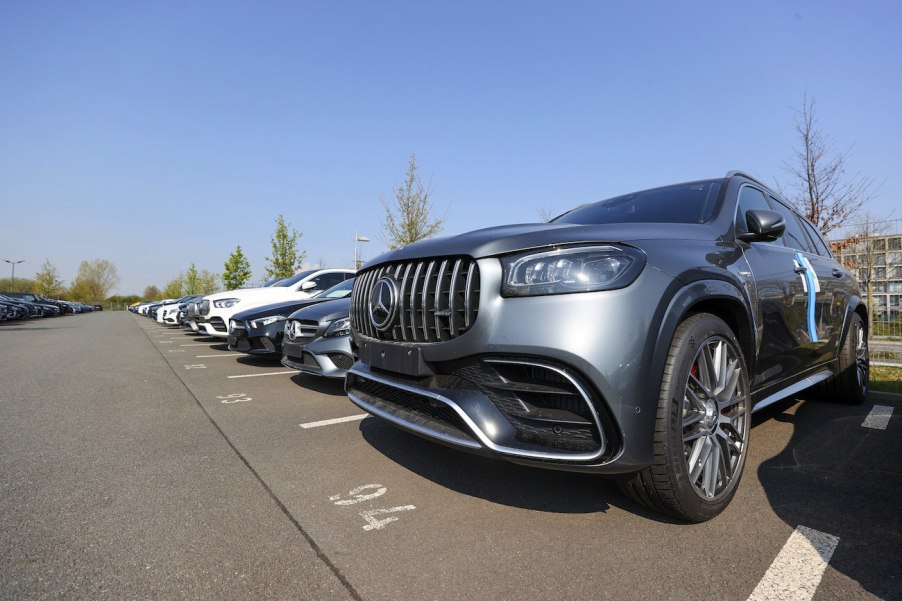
[330, 386]
[498, 481]
[840, 478]
[257, 360]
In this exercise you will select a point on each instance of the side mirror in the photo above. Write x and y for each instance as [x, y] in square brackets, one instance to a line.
[308, 286]
[763, 226]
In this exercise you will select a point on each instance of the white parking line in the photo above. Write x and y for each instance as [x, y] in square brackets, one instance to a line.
[878, 418]
[220, 355]
[337, 420]
[197, 344]
[797, 571]
[271, 373]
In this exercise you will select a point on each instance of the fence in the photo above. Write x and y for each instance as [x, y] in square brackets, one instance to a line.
[886, 341]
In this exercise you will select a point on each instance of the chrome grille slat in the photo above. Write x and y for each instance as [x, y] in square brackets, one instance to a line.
[452, 296]
[438, 299]
[468, 301]
[437, 305]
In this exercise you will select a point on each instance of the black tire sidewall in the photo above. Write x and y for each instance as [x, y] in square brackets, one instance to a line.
[691, 335]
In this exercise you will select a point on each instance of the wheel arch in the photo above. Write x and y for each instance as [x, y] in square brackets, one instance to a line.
[717, 297]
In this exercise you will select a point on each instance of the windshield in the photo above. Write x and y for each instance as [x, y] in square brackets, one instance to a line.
[271, 282]
[339, 290]
[683, 203]
[295, 278]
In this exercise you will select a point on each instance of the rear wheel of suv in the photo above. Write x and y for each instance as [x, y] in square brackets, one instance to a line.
[702, 426]
[850, 385]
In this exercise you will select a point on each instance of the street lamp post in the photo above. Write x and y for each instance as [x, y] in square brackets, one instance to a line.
[12, 283]
[357, 240]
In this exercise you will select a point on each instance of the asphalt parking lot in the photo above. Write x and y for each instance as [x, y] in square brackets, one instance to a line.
[138, 461]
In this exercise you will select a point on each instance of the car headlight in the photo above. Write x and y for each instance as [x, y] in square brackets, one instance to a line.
[225, 303]
[568, 270]
[265, 321]
[339, 327]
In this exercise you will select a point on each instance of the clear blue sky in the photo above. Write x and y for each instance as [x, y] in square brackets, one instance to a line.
[156, 134]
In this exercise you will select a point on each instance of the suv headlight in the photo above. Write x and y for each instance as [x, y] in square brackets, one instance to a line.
[265, 321]
[225, 303]
[339, 327]
[568, 270]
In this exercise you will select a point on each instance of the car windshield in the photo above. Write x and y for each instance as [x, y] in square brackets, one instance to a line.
[271, 282]
[294, 279]
[339, 290]
[684, 203]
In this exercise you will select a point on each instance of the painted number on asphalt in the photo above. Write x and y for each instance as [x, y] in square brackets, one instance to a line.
[368, 492]
[238, 397]
[196, 366]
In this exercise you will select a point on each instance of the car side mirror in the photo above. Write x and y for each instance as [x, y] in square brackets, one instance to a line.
[308, 285]
[763, 226]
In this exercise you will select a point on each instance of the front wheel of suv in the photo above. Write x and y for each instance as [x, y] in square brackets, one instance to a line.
[702, 425]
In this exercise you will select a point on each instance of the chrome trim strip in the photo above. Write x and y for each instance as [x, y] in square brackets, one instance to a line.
[425, 300]
[402, 311]
[791, 390]
[468, 300]
[437, 305]
[452, 297]
[471, 424]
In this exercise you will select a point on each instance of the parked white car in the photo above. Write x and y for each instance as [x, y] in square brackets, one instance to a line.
[215, 310]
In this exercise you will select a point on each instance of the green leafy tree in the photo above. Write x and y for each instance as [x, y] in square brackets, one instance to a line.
[19, 285]
[174, 288]
[237, 270]
[286, 258]
[94, 281]
[47, 282]
[151, 293]
[206, 282]
[409, 219]
[191, 281]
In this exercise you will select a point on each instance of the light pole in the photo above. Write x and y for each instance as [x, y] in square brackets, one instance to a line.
[357, 240]
[12, 283]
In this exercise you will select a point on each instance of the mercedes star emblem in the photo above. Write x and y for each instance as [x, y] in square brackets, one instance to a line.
[384, 303]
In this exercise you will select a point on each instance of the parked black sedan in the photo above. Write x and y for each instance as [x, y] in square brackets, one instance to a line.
[260, 330]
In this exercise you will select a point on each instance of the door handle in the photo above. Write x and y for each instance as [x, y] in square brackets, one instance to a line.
[837, 273]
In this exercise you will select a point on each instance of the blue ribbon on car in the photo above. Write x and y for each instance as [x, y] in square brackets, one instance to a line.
[812, 294]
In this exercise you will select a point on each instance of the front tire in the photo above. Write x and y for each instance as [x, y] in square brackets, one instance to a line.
[702, 424]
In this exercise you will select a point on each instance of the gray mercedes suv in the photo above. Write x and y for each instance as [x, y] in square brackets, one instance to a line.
[632, 337]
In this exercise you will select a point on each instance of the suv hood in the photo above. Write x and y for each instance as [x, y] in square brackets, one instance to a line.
[326, 311]
[513, 238]
[282, 308]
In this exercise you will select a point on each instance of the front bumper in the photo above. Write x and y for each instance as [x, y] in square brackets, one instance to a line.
[257, 341]
[326, 357]
[560, 381]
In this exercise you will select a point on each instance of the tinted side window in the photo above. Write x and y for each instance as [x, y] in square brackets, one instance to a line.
[793, 237]
[822, 248]
[750, 199]
[327, 280]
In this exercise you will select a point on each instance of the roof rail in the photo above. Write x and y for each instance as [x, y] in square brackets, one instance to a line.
[754, 179]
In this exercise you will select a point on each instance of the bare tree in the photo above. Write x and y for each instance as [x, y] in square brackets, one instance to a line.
[863, 254]
[822, 188]
[94, 280]
[410, 219]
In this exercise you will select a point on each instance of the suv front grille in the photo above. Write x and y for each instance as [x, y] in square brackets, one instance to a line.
[438, 300]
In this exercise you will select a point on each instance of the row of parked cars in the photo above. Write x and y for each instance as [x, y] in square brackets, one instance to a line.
[303, 320]
[24, 305]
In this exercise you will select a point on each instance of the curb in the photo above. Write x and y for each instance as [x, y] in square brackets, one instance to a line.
[885, 396]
